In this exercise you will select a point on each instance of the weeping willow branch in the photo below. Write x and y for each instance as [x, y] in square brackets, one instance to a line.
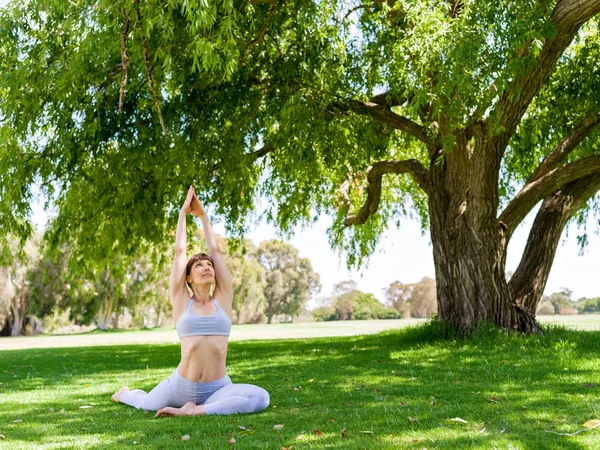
[124, 61]
[374, 177]
[566, 146]
[149, 71]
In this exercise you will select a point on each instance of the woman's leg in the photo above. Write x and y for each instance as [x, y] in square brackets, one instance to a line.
[237, 399]
[159, 397]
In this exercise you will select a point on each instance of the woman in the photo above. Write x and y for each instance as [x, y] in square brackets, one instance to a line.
[200, 384]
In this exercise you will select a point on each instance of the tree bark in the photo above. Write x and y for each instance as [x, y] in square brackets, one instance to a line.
[529, 280]
[469, 264]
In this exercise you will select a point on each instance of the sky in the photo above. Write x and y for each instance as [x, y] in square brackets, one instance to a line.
[405, 254]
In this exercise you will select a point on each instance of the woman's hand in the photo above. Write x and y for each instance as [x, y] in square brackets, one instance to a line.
[192, 205]
[187, 204]
[196, 208]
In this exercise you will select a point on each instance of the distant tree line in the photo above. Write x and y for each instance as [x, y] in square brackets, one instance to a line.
[562, 303]
[45, 290]
[402, 301]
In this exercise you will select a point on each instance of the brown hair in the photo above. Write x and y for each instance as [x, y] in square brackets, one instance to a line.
[193, 260]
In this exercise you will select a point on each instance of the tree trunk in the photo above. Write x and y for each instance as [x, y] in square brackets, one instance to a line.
[104, 317]
[469, 244]
[470, 254]
[18, 316]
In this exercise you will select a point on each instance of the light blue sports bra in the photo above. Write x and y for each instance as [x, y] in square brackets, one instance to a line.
[190, 324]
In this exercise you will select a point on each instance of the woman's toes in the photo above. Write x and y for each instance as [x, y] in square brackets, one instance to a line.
[116, 397]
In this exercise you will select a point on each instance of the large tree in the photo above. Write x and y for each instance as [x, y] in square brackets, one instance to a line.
[289, 279]
[466, 114]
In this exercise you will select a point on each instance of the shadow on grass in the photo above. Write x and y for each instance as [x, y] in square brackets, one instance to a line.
[395, 389]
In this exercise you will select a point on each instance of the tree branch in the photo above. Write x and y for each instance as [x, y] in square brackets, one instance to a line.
[566, 146]
[384, 114]
[149, 71]
[390, 99]
[529, 280]
[263, 29]
[567, 17]
[265, 150]
[374, 176]
[124, 61]
[540, 188]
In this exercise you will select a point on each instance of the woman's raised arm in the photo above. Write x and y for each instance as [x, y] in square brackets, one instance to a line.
[224, 288]
[178, 292]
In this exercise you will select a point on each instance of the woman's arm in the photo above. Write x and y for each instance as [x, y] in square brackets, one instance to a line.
[224, 287]
[178, 292]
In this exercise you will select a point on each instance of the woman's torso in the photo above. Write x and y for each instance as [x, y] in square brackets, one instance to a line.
[203, 357]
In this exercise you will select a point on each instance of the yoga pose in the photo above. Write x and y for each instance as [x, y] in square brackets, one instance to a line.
[200, 384]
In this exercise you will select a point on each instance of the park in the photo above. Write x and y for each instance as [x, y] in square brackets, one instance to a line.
[136, 126]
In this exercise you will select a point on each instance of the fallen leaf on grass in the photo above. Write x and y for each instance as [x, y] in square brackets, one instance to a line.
[589, 425]
[412, 419]
[291, 447]
[241, 427]
[17, 421]
[318, 432]
[296, 389]
[458, 419]
[279, 426]
[246, 431]
[232, 441]
[2, 437]
[592, 423]
[493, 399]
[51, 409]
[85, 407]
[185, 437]
[343, 432]
[295, 410]
[311, 380]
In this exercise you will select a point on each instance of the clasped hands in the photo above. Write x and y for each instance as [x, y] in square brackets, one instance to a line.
[192, 205]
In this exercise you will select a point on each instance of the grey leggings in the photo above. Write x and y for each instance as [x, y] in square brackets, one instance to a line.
[218, 396]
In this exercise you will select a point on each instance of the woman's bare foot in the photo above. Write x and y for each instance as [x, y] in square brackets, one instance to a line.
[189, 409]
[117, 395]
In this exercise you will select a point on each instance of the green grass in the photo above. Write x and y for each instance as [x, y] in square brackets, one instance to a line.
[398, 389]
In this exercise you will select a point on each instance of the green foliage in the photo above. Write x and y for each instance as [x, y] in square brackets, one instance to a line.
[324, 313]
[234, 77]
[590, 305]
[352, 304]
[290, 280]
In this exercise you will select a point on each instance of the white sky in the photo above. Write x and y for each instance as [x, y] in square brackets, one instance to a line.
[406, 255]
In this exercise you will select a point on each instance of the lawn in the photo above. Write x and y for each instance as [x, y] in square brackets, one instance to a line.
[406, 388]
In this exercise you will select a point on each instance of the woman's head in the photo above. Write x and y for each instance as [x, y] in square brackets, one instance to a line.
[197, 267]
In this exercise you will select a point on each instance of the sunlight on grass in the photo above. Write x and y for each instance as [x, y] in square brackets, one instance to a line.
[397, 389]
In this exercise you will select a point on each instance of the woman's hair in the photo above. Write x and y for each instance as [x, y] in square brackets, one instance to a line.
[193, 260]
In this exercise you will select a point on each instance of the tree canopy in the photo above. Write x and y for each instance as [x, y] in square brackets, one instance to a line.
[115, 107]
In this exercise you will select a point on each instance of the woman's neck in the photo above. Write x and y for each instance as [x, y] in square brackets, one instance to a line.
[201, 294]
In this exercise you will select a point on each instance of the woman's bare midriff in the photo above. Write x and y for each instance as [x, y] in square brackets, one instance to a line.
[203, 358]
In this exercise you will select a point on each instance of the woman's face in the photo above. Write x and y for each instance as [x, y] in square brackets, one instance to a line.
[202, 272]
